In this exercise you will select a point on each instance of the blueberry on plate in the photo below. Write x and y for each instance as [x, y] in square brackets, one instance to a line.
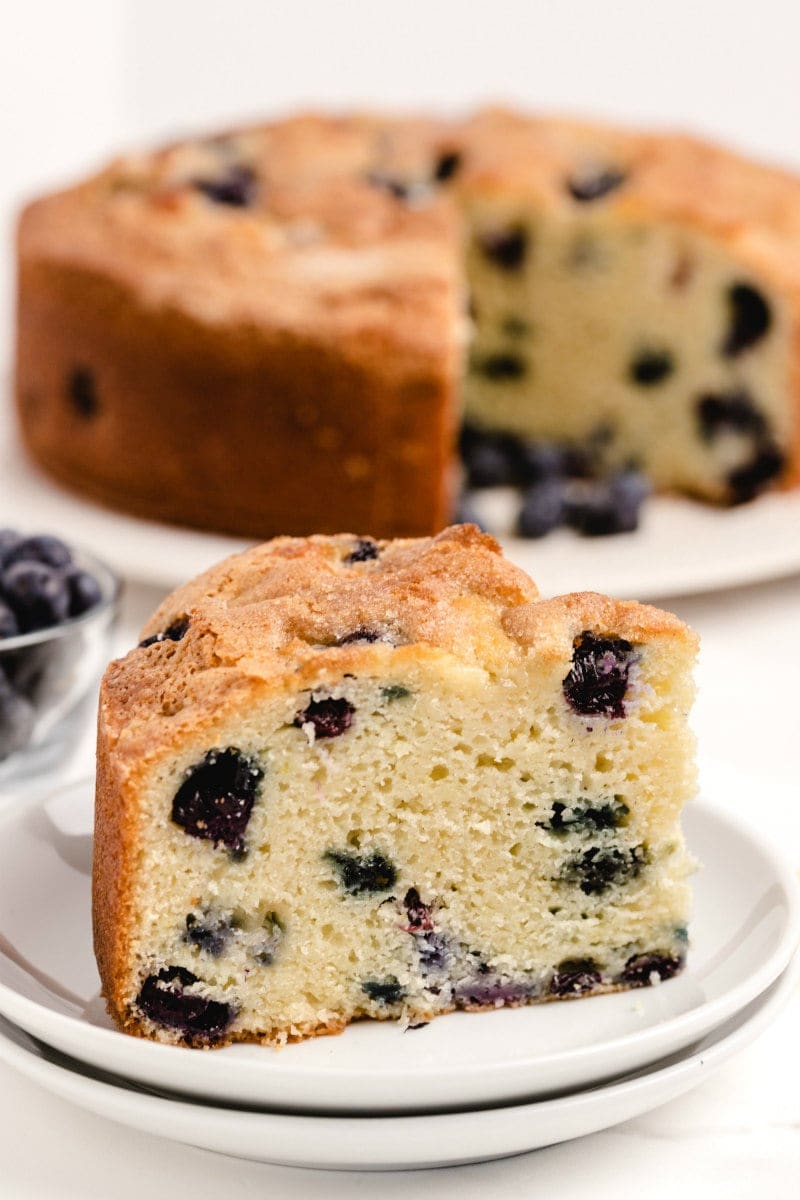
[542, 509]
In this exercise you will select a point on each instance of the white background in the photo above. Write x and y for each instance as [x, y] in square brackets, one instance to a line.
[81, 78]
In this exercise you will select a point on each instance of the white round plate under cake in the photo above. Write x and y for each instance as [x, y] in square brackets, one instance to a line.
[745, 927]
[387, 1143]
[681, 547]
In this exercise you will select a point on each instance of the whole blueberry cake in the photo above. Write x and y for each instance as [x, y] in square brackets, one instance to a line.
[278, 329]
[344, 778]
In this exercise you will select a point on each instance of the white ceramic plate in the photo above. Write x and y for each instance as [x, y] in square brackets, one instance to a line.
[390, 1143]
[746, 925]
[681, 548]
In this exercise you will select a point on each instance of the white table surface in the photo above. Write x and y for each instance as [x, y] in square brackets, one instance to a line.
[738, 1135]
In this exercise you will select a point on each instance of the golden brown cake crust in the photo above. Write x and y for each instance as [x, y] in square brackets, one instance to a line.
[270, 620]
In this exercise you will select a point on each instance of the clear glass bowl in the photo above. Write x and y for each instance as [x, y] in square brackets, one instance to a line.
[48, 680]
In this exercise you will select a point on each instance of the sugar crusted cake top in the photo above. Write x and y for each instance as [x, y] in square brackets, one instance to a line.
[295, 612]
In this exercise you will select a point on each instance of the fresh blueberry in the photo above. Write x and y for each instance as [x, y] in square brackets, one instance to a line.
[593, 184]
[216, 798]
[164, 999]
[750, 480]
[598, 678]
[359, 873]
[598, 868]
[500, 367]
[237, 187]
[574, 977]
[84, 591]
[540, 460]
[749, 319]
[210, 935]
[651, 367]
[639, 969]
[447, 165]
[581, 817]
[17, 717]
[608, 506]
[507, 249]
[490, 459]
[328, 717]
[365, 550]
[173, 633]
[9, 540]
[733, 411]
[9, 626]
[264, 953]
[41, 548]
[384, 991]
[38, 594]
[542, 509]
[82, 392]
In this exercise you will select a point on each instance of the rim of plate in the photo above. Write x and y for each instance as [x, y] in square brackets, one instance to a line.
[72, 1080]
[712, 1012]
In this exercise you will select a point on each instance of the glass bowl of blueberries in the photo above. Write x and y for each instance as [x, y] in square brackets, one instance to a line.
[58, 606]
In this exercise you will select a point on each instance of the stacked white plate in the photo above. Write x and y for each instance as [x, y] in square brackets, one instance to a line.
[465, 1088]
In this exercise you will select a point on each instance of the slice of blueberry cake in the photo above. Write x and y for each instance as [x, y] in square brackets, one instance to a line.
[343, 778]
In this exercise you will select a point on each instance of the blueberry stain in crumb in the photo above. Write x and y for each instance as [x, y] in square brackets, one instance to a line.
[574, 977]
[749, 319]
[362, 873]
[37, 593]
[639, 969]
[734, 412]
[165, 1000]
[82, 392]
[597, 681]
[597, 869]
[365, 550]
[507, 249]
[173, 633]
[328, 717]
[651, 367]
[384, 991]
[593, 184]
[500, 367]
[583, 817]
[394, 691]
[216, 798]
[211, 934]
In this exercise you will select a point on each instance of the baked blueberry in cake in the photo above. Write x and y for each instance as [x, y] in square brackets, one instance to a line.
[310, 279]
[479, 808]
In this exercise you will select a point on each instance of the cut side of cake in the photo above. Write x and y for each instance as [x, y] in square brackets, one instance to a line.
[345, 778]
